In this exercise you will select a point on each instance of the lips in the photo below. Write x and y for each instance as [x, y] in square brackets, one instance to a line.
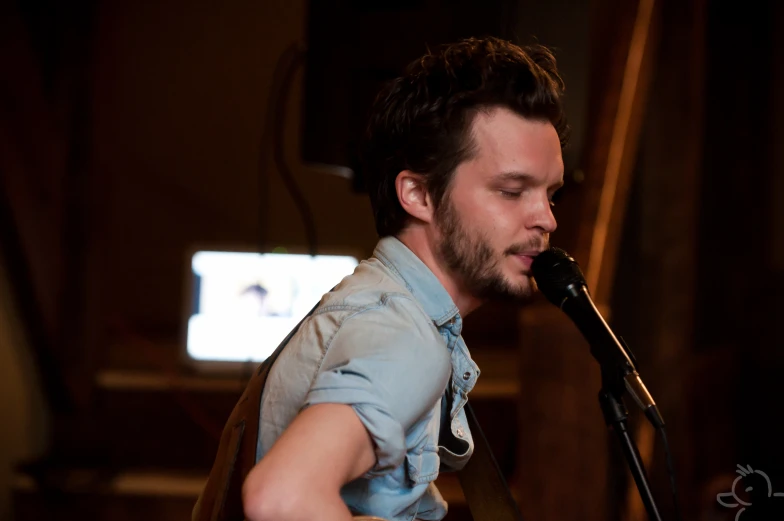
[526, 258]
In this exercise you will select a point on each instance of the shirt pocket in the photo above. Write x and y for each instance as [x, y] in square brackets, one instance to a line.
[422, 467]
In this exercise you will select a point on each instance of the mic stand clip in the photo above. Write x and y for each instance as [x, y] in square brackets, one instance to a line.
[615, 415]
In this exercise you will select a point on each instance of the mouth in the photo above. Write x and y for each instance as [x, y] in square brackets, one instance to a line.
[526, 258]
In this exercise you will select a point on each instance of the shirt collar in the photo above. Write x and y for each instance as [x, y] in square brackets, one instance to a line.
[418, 278]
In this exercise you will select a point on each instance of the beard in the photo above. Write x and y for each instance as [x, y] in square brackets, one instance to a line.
[475, 263]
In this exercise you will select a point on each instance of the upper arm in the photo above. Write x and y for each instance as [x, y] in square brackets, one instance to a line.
[324, 447]
[392, 367]
[382, 371]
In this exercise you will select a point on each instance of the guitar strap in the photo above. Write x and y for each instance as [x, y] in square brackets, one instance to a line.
[484, 487]
[483, 483]
[221, 499]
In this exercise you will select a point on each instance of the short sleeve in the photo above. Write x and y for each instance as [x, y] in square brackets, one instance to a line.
[391, 366]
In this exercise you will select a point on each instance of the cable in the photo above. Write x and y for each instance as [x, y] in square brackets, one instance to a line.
[671, 472]
[288, 64]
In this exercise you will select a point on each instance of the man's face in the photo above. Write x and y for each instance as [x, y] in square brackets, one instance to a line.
[496, 215]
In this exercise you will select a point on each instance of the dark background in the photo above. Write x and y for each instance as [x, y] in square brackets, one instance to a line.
[131, 132]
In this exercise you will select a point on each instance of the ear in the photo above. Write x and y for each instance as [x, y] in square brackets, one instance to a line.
[413, 195]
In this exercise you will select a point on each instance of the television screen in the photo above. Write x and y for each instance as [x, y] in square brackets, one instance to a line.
[244, 304]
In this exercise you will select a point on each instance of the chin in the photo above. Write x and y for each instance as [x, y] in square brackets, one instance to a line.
[520, 280]
[524, 292]
[518, 288]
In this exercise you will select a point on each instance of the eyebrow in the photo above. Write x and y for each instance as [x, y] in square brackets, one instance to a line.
[523, 176]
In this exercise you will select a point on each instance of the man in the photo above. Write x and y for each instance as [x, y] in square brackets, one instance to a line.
[365, 404]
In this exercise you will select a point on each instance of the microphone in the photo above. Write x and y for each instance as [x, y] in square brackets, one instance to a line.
[560, 280]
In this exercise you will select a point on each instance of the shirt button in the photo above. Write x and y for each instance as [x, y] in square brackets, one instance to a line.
[452, 321]
[467, 375]
[460, 432]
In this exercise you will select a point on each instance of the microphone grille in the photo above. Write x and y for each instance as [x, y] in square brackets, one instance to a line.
[555, 271]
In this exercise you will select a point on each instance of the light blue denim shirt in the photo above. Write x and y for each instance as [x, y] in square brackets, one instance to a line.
[385, 341]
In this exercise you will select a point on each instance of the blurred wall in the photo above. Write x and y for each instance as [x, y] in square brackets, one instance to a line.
[176, 102]
[180, 99]
[23, 409]
[777, 189]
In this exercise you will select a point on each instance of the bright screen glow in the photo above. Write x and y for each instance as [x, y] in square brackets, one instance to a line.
[244, 304]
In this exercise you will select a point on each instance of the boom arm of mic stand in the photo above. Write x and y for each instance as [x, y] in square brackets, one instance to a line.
[615, 415]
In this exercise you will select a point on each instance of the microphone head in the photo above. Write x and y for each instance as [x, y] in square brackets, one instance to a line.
[555, 271]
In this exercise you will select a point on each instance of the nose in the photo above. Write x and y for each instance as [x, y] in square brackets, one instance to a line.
[542, 217]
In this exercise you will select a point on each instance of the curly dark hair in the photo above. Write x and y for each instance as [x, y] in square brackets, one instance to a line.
[421, 121]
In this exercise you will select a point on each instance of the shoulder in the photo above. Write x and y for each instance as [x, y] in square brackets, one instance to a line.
[371, 284]
[372, 310]
[373, 291]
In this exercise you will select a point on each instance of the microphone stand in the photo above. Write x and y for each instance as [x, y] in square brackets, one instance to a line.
[615, 415]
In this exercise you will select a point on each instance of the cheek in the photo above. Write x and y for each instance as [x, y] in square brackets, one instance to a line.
[505, 223]
[496, 219]
[500, 231]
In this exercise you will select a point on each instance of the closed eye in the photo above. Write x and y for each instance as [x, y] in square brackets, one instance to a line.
[556, 196]
[510, 195]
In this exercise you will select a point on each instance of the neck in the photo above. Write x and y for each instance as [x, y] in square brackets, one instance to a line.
[418, 240]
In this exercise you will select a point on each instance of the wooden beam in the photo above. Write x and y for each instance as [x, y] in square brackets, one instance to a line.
[661, 243]
[618, 157]
[32, 160]
[621, 154]
[45, 158]
[564, 467]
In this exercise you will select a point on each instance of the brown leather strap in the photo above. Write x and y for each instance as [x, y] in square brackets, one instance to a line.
[483, 484]
[221, 499]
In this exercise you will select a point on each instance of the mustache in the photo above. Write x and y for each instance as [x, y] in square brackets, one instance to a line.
[539, 244]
